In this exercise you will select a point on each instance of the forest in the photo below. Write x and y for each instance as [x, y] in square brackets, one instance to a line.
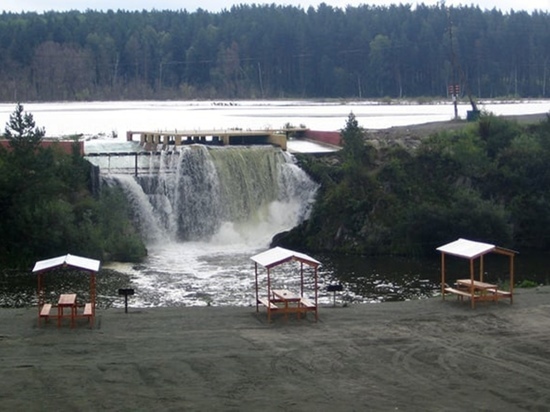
[269, 51]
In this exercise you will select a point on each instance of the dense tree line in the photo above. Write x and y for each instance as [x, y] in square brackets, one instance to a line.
[274, 51]
[489, 181]
[48, 208]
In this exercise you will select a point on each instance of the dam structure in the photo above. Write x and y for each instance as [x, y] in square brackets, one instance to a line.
[232, 137]
[141, 150]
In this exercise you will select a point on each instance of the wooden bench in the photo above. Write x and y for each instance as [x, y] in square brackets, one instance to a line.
[88, 312]
[267, 303]
[459, 292]
[45, 312]
[306, 303]
[504, 294]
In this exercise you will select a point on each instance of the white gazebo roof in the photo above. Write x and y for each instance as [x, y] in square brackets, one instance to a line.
[68, 260]
[278, 255]
[466, 248]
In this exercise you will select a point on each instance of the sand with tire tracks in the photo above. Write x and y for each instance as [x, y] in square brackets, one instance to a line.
[425, 355]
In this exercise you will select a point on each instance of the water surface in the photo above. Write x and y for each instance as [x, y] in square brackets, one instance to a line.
[217, 270]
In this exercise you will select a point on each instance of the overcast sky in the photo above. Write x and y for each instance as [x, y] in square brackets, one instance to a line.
[217, 5]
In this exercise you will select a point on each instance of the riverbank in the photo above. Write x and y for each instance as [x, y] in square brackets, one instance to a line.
[429, 355]
[410, 136]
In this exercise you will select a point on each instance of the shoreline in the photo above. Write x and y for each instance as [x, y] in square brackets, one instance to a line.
[411, 135]
[428, 354]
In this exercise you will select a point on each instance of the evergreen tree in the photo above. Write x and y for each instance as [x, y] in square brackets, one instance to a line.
[353, 141]
[21, 131]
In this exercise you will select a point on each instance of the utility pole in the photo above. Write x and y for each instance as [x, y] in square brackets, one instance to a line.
[160, 76]
[260, 78]
[453, 65]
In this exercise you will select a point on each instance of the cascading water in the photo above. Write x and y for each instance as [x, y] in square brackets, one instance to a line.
[203, 211]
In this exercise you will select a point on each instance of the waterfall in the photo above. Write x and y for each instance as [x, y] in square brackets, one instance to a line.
[218, 194]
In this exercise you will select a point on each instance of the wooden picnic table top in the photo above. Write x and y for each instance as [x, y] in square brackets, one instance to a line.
[286, 295]
[476, 284]
[67, 299]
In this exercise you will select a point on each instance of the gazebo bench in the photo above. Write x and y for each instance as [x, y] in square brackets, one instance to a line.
[503, 294]
[45, 311]
[307, 304]
[88, 310]
[460, 293]
[88, 313]
[267, 303]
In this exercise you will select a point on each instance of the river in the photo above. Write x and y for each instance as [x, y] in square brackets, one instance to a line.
[113, 119]
[218, 270]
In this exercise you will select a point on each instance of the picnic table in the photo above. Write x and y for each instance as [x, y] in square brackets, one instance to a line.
[289, 299]
[478, 291]
[286, 301]
[67, 300]
[476, 285]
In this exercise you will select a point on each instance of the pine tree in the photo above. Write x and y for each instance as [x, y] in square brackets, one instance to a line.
[21, 130]
[353, 140]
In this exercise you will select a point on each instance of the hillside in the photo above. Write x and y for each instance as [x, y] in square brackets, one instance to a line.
[482, 180]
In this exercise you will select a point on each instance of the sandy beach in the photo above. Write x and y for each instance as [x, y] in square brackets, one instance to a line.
[425, 355]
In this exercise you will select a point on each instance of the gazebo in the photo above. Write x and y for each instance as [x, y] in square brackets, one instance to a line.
[283, 300]
[475, 287]
[90, 266]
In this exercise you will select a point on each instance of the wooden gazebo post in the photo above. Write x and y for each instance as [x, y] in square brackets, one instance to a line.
[268, 295]
[443, 275]
[472, 291]
[257, 296]
[92, 295]
[40, 296]
[511, 278]
[316, 296]
[302, 279]
[481, 268]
